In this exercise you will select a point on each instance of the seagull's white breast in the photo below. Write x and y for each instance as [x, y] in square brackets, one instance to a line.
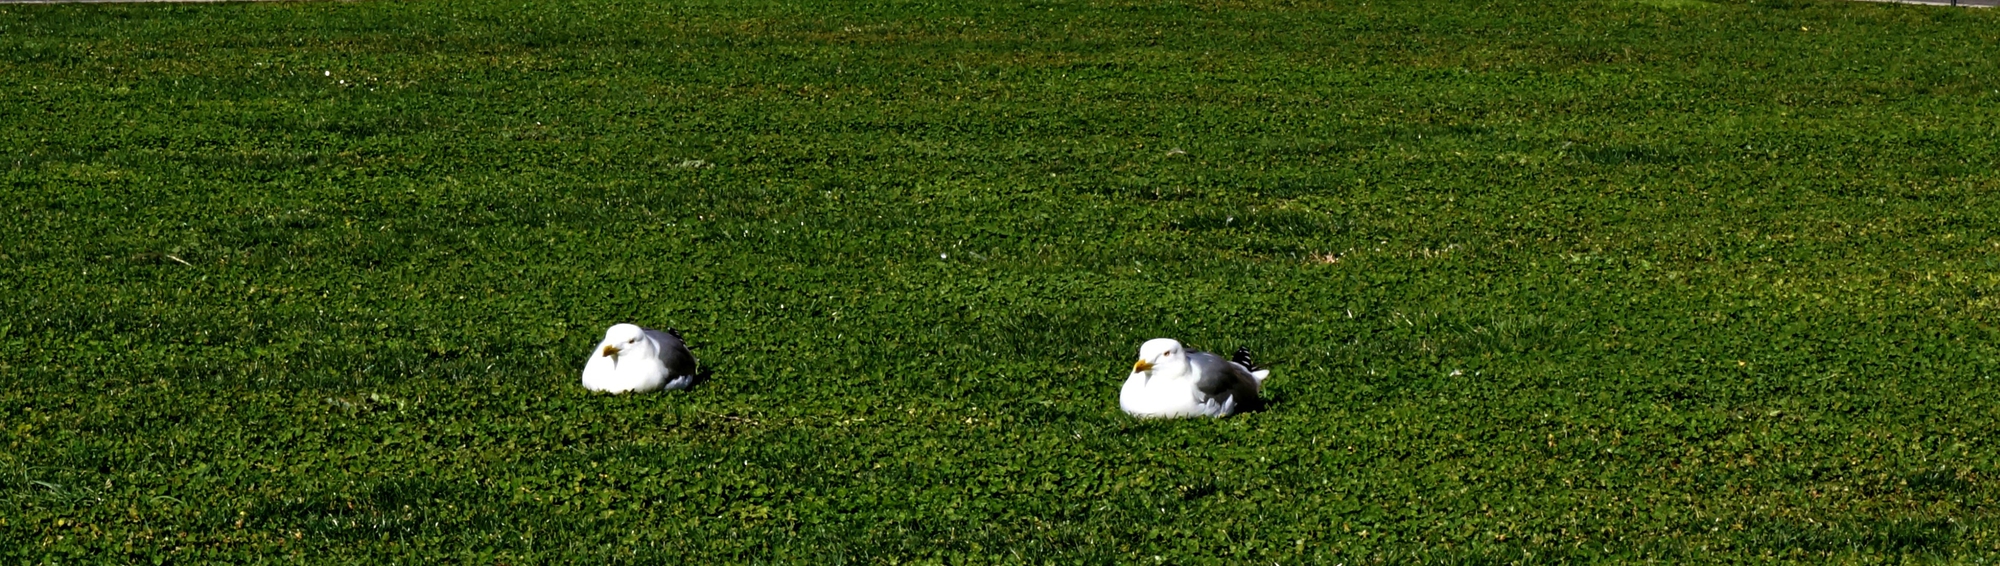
[1164, 396]
[623, 373]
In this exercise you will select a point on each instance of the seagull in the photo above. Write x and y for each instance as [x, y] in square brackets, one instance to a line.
[639, 360]
[1169, 381]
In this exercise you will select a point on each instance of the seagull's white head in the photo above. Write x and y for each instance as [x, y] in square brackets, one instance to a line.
[626, 340]
[1161, 356]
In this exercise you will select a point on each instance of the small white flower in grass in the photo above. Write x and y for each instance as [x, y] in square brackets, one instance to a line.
[329, 73]
[942, 256]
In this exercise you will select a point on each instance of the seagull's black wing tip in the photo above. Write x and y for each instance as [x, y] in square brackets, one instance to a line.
[1242, 357]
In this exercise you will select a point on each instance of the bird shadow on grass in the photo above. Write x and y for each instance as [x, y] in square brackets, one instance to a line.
[703, 372]
[1266, 401]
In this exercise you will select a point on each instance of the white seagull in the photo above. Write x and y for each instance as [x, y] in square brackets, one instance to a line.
[639, 360]
[1169, 381]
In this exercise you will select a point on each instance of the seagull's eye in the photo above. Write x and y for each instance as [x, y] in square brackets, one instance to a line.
[632, 340]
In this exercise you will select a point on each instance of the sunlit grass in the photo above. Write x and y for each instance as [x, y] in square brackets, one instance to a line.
[1539, 282]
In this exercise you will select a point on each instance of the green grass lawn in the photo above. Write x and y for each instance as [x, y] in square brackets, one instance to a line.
[1540, 281]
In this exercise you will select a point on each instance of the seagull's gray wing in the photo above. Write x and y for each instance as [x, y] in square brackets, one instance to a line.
[1224, 380]
[673, 352]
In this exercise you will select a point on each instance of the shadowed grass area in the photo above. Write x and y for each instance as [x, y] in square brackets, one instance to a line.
[1539, 282]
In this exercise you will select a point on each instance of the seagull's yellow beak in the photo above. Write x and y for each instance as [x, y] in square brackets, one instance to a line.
[610, 350]
[1142, 365]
